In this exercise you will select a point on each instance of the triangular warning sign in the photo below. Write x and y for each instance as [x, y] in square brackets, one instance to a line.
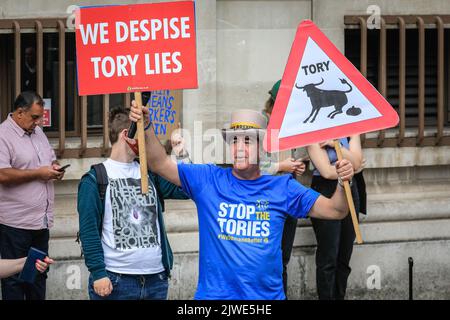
[323, 96]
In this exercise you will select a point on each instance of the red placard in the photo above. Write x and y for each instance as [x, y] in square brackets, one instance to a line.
[140, 47]
[47, 116]
[323, 96]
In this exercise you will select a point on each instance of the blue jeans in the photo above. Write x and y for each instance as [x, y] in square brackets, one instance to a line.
[134, 287]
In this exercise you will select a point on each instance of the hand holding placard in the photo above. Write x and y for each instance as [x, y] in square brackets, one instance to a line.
[348, 193]
[134, 48]
[322, 96]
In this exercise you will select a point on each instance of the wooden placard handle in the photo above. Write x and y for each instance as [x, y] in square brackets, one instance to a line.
[141, 144]
[348, 193]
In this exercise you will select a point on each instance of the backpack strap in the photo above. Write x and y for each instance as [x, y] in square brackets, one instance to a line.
[102, 179]
[159, 193]
[102, 183]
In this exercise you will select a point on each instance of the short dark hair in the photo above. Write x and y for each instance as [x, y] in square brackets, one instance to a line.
[168, 147]
[26, 99]
[118, 121]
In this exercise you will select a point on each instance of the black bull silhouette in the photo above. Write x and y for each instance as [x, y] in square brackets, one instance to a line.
[325, 98]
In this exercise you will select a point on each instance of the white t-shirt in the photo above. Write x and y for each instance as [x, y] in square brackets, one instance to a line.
[131, 237]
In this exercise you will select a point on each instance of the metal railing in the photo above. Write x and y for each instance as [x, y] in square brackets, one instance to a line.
[402, 136]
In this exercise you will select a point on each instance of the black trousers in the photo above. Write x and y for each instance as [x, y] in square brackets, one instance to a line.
[335, 240]
[15, 243]
[287, 242]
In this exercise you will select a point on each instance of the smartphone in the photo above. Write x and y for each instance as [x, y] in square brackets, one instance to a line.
[63, 168]
[29, 271]
[133, 127]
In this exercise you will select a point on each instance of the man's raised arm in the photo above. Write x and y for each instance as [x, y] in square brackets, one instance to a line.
[337, 207]
[158, 161]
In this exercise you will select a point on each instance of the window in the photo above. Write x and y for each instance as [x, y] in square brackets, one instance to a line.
[352, 51]
[28, 55]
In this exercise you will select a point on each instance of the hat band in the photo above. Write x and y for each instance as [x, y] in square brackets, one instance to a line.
[244, 125]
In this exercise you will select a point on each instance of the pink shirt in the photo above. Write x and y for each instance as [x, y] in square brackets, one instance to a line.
[27, 205]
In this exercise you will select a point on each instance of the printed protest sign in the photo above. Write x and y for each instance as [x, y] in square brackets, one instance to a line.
[140, 47]
[165, 112]
[47, 117]
[323, 96]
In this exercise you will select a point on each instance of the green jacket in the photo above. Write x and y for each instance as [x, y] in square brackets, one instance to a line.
[91, 211]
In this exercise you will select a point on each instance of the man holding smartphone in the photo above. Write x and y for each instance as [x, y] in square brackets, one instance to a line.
[28, 168]
[63, 168]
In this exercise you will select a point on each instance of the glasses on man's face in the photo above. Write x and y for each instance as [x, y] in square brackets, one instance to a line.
[31, 115]
[36, 118]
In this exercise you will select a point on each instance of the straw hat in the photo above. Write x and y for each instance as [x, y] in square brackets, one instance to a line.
[245, 122]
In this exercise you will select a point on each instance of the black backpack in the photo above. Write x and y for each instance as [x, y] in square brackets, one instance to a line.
[102, 184]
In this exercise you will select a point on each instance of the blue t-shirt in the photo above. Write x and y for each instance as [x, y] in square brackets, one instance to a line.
[332, 155]
[240, 228]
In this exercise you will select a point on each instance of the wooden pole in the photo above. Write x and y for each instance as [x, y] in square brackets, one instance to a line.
[141, 144]
[348, 193]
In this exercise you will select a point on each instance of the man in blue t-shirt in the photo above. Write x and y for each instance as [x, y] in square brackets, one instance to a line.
[241, 213]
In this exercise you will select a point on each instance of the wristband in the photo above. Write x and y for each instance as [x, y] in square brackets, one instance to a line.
[148, 126]
[341, 183]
